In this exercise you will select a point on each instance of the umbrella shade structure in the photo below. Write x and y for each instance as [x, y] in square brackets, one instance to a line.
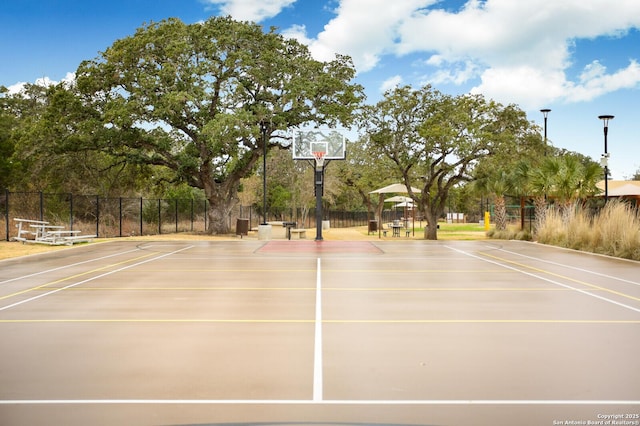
[398, 199]
[407, 204]
[394, 188]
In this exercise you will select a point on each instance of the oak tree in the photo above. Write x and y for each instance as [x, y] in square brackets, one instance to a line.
[206, 100]
[436, 140]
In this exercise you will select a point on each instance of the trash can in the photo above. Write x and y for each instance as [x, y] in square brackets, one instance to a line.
[242, 227]
[373, 226]
[264, 232]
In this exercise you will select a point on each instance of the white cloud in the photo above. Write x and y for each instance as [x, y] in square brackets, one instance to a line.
[251, 10]
[435, 60]
[594, 81]
[391, 83]
[453, 73]
[592, 71]
[525, 85]
[16, 88]
[297, 32]
[69, 79]
[364, 30]
[513, 51]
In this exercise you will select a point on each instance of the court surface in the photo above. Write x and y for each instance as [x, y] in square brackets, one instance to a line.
[319, 333]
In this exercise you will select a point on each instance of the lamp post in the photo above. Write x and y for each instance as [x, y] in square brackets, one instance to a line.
[605, 157]
[545, 113]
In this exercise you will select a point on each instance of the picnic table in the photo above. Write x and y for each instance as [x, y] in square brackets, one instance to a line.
[45, 233]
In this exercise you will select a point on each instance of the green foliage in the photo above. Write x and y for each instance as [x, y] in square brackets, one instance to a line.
[202, 100]
[436, 141]
[564, 178]
[278, 199]
[184, 195]
[7, 145]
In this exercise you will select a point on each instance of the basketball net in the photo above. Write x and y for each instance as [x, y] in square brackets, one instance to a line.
[319, 159]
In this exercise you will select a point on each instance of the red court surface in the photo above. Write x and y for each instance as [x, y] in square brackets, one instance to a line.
[319, 333]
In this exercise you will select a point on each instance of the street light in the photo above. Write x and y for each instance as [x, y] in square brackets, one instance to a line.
[545, 112]
[605, 157]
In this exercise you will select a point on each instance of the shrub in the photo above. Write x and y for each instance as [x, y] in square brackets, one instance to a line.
[552, 230]
[614, 231]
[580, 231]
[618, 231]
[511, 233]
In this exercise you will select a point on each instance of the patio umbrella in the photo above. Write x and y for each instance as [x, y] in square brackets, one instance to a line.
[407, 204]
[394, 188]
[398, 199]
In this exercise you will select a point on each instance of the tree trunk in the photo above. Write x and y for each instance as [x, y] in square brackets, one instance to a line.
[222, 198]
[540, 210]
[379, 209]
[501, 214]
[431, 230]
[219, 216]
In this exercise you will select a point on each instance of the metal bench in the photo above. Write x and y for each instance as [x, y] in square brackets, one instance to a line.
[44, 233]
[24, 233]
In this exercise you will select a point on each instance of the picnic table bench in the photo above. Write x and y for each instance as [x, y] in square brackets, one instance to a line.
[44, 233]
[23, 234]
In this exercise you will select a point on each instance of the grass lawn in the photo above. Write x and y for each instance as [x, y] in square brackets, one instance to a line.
[458, 231]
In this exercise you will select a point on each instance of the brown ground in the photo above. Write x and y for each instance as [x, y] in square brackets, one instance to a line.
[16, 249]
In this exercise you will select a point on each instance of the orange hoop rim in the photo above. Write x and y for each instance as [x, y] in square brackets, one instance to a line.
[319, 155]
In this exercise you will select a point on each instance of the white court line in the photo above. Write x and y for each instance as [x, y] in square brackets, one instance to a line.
[323, 402]
[569, 267]
[91, 279]
[317, 352]
[67, 266]
[545, 279]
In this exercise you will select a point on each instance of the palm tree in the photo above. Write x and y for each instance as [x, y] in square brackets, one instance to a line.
[565, 180]
[497, 184]
[591, 175]
[521, 185]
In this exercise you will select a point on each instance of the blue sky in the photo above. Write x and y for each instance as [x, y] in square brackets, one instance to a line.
[579, 58]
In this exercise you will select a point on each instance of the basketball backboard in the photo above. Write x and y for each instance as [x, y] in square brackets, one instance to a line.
[308, 141]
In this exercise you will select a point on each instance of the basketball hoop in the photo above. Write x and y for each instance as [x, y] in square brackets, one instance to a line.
[319, 156]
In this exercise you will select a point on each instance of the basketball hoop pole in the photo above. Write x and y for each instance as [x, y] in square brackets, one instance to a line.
[264, 175]
[318, 146]
[318, 177]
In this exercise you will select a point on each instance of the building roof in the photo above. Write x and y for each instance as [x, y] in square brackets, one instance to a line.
[620, 188]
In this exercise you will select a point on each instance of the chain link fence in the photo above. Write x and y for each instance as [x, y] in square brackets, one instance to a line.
[123, 217]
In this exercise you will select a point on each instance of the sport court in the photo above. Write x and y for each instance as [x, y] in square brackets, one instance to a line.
[329, 332]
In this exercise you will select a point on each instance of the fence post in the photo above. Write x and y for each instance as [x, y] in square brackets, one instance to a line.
[41, 206]
[120, 215]
[97, 215]
[6, 213]
[192, 215]
[141, 220]
[176, 211]
[206, 215]
[159, 216]
[71, 211]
